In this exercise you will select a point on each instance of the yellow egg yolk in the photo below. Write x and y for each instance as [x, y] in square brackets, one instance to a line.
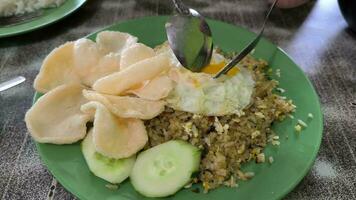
[216, 67]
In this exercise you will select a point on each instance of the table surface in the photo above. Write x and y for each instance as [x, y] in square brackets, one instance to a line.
[314, 35]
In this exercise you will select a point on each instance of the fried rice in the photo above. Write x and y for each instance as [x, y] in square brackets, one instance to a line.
[227, 141]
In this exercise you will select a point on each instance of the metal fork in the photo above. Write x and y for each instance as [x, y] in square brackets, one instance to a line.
[18, 19]
[248, 48]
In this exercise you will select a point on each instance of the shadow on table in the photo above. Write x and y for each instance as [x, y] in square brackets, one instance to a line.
[350, 32]
[72, 21]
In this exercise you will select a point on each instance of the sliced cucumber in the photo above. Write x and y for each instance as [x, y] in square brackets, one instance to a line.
[111, 170]
[164, 169]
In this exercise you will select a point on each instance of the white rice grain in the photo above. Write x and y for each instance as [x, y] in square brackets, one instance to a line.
[301, 122]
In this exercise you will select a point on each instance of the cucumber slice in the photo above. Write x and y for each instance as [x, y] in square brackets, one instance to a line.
[164, 169]
[109, 169]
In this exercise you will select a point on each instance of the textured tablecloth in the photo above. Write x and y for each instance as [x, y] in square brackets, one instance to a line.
[314, 35]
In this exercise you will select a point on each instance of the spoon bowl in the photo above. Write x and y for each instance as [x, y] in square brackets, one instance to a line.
[189, 37]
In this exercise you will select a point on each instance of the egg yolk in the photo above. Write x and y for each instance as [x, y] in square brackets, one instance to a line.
[216, 67]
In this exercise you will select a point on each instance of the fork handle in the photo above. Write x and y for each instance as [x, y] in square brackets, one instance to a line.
[239, 57]
[248, 48]
[180, 7]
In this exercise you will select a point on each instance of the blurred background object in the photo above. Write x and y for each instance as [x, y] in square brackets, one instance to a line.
[348, 10]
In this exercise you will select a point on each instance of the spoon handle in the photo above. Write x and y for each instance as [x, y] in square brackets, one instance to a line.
[248, 48]
[180, 7]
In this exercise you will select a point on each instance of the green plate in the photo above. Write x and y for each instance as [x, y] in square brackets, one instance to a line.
[292, 159]
[49, 16]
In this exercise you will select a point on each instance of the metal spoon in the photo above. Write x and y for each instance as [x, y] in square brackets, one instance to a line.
[248, 48]
[189, 36]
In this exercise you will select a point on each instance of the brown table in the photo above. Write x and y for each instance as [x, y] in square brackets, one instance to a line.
[314, 35]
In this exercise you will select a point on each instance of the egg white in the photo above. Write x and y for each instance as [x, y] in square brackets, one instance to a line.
[199, 93]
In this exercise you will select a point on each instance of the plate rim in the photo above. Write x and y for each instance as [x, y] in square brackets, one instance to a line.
[321, 116]
[48, 22]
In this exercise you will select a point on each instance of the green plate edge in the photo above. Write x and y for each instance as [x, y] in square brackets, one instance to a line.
[49, 16]
[159, 19]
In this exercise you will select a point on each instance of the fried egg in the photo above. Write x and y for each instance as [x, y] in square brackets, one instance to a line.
[200, 93]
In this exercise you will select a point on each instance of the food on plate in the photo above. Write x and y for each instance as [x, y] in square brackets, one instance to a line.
[140, 98]
[114, 41]
[164, 169]
[57, 69]
[18, 7]
[126, 106]
[149, 90]
[200, 94]
[134, 54]
[90, 63]
[132, 76]
[112, 136]
[83, 61]
[228, 141]
[56, 117]
[109, 169]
